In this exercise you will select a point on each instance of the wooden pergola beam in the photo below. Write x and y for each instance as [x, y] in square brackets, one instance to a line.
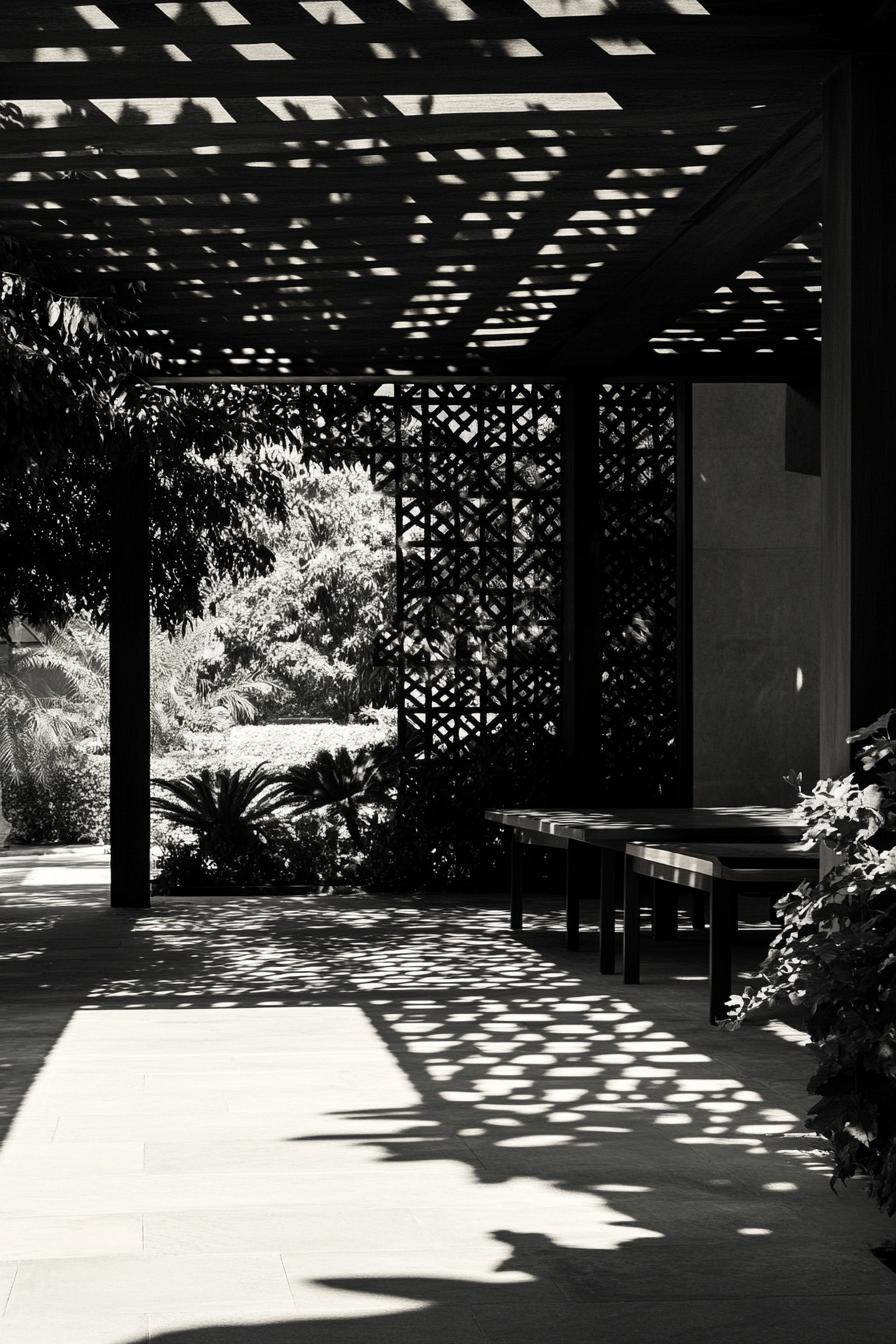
[740, 368]
[762, 210]
[672, 30]
[593, 76]
[858, 406]
[129, 679]
[87, 130]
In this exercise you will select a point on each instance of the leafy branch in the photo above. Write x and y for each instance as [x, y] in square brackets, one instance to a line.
[835, 958]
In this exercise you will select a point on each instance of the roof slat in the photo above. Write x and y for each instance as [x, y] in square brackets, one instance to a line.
[592, 76]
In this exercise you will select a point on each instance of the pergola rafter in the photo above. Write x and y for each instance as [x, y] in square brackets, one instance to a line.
[398, 189]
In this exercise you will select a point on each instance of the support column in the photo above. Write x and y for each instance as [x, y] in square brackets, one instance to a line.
[129, 737]
[581, 606]
[858, 404]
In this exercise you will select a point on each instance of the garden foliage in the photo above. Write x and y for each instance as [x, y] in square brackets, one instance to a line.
[436, 835]
[66, 803]
[835, 958]
[344, 782]
[311, 625]
[245, 831]
[75, 403]
[300, 851]
[366, 817]
[54, 719]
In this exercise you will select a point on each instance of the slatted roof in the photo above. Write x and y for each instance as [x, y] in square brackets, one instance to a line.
[424, 186]
[769, 313]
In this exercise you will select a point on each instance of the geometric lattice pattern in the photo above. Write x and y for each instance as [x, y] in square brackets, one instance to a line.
[477, 495]
[636, 481]
[475, 470]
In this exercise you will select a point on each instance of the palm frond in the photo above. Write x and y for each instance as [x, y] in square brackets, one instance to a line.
[224, 802]
[339, 777]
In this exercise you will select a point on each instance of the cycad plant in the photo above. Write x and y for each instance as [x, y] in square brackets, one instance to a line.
[224, 808]
[343, 781]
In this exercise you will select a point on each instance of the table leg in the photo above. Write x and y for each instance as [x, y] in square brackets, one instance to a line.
[631, 926]
[698, 911]
[665, 911]
[574, 878]
[612, 867]
[516, 885]
[719, 951]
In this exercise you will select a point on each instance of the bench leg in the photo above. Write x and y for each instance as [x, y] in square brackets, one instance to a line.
[720, 925]
[631, 926]
[574, 879]
[665, 911]
[612, 866]
[516, 884]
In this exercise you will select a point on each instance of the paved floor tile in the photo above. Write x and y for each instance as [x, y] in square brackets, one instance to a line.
[361, 1120]
[50, 1238]
[348, 1227]
[8, 1271]
[24, 1159]
[100, 1330]
[73, 1289]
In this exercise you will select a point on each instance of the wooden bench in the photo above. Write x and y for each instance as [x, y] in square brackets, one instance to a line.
[722, 871]
[595, 839]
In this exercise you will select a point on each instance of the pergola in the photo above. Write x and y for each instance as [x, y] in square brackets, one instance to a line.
[582, 194]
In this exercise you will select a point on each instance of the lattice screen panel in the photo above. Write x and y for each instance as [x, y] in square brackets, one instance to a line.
[477, 493]
[475, 471]
[636, 487]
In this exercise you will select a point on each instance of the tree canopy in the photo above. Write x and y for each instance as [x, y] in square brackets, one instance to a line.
[312, 623]
[74, 401]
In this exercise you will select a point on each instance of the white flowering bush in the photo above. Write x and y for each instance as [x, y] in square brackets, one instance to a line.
[835, 957]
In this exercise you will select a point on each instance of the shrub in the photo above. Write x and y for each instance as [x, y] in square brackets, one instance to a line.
[437, 835]
[66, 804]
[344, 782]
[835, 957]
[398, 858]
[299, 852]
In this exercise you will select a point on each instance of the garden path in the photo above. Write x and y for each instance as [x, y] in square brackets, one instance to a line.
[362, 1120]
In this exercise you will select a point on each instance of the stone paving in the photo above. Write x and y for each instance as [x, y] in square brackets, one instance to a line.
[388, 1120]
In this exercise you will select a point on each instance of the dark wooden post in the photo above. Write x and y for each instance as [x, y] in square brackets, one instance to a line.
[684, 587]
[858, 403]
[129, 681]
[581, 605]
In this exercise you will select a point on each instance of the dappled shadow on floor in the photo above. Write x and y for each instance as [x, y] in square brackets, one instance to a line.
[517, 1137]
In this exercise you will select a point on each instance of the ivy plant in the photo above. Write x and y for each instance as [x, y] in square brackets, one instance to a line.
[835, 957]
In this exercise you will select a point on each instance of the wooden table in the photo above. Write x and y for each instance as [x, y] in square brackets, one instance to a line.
[723, 871]
[595, 841]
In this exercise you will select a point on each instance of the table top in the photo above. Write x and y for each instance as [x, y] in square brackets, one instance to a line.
[613, 828]
[743, 861]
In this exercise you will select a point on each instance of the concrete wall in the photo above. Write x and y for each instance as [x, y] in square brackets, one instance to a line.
[756, 600]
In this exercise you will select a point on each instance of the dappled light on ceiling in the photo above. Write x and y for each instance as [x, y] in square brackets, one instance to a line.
[381, 189]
